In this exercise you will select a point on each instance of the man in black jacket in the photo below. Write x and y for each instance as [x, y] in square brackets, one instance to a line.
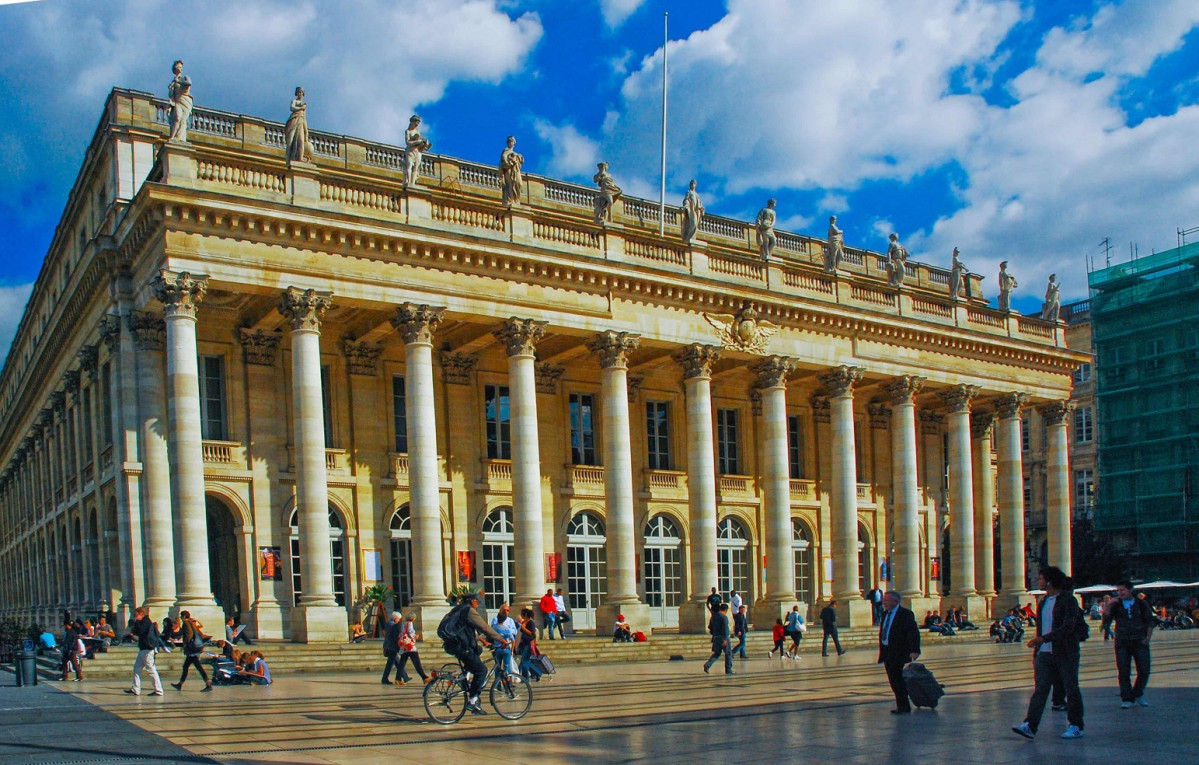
[828, 620]
[718, 626]
[147, 643]
[898, 644]
[1056, 659]
[1134, 626]
[391, 646]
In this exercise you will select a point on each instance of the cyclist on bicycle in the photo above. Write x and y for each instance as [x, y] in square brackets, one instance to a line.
[466, 650]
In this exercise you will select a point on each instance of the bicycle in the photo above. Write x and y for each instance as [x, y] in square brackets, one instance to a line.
[445, 696]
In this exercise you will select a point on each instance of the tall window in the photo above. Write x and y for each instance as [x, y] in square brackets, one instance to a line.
[86, 396]
[582, 429]
[499, 569]
[726, 441]
[337, 556]
[801, 548]
[732, 558]
[1025, 440]
[663, 565]
[795, 447]
[401, 556]
[657, 426]
[499, 426]
[1084, 490]
[865, 560]
[327, 404]
[586, 568]
[399, 408]
[212, 398]
[1083, 373]
[106, 405]
[1084, 425]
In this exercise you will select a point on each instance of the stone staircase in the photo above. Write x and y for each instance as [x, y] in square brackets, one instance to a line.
[288, 658]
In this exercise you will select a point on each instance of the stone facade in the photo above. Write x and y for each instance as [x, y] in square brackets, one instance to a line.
[301, 379]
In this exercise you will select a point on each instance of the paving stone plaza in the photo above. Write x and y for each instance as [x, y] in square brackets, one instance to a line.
[816, 710]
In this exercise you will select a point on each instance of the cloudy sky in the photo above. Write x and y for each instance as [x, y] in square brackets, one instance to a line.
[1013, 129]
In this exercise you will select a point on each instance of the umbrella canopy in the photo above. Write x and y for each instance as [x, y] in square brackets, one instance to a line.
[1160, 585]
[1095, 588]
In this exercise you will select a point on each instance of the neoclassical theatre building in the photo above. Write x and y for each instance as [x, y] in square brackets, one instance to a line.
[256, 382]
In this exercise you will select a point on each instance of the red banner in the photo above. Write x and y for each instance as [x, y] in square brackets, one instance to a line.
[934, 568]
[553, 567]
[466, 565]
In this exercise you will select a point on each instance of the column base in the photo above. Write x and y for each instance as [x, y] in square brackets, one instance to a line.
[921, 604]
[1009, 600]
[267, 619]
[636, 614]
[210, 615]
[693, 618]
[854, 613]
[319, 624]
[157, 607]
[975, 606]
[765, 611]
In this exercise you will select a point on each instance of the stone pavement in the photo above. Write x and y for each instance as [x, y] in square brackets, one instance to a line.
[818, 710]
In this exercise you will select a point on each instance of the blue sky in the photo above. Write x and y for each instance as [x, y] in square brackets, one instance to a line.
[1015, 130]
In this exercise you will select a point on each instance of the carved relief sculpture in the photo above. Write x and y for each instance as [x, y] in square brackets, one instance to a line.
[510, 173]
[609, 192]
[743, 332]
[693, 214]
[1052, 307]
[835, 249]
[897, 258]
[295, 133]
[1007, 283]
[179, 93]
[415, 146]
[765, 225]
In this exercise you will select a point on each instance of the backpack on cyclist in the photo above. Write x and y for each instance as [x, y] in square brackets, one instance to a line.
[455, 631]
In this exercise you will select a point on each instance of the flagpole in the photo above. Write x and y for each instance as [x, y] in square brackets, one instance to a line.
[662, 190]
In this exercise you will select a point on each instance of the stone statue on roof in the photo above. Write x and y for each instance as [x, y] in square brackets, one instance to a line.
[1007, 283]
[415, 146]
[295, 133]
[765, 225]
[609, 192]
[510, 176]
[835, 249]
[693, 214]
[179, 92]
[897, 259]
[1052, 307]
[957, 277]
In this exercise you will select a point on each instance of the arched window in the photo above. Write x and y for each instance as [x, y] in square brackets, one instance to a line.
[732, 558]
[400, 527]
[865, 560]
[337, 555]
[663, 570]
[499, 574]
[801, 550]
[586, 568]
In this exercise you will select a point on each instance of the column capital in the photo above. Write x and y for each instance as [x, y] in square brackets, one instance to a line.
[613, 348]
[958, 398]
[89, 359]
[902, 390]
[45, 419]
[110, 332]
[633, 382]
[930, 422]
[1055, 411]
[821, 409]
[304, 308]
[456, 367]
[260, 348]
[980, 424]
[1010, 404]
[697, 360]
[416, 323]
[58, 402]
[179, 292]
[520, 336]
[546, 376]
[71, 379]
[880, 415]
[841, 380]
[362, 358]
[149, 331]
[772, 372]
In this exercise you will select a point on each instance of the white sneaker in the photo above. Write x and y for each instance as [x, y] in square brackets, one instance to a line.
[1126, 705]
[1023, 730]
[770, 656]
[1141, 700]
[1072, 732]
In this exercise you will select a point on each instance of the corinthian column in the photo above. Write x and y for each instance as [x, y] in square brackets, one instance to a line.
[697, 361]
[521, 336]
[843, 496]
[780, 573]
[906, 485]
[1057, 480]
[984, 501]
[318, 618]
[961, 503]
[416, 324]
[149, 337]
[613, 350]
[180, 295]
[1011, 503]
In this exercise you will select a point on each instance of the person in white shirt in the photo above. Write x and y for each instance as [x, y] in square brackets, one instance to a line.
[735, 602]
[563, 614]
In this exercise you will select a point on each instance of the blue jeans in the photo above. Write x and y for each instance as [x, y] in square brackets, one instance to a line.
[551, 621]
[720, 647]
[526, 662]
[740, 649]
[1050, 668]
[1129, 652]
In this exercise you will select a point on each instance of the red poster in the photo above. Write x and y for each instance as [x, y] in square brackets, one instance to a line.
[553, 567]
[466, 565]
[934, 568]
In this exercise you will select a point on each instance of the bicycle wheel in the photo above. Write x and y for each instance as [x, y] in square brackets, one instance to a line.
[511, 697]
[445, 700]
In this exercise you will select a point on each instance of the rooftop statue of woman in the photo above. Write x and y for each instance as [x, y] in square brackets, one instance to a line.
[897, 258]
[609, 192]
[1052, 307]
[835, 250]
[511, 179]
[957, 277]
[693, 214]
[1007, 283]
[295, 133]
[765, 225]
[415, 146]
[179, 92]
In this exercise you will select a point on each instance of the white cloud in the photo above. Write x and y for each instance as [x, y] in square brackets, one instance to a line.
[572, 154]
[12, 306]
[615, 12]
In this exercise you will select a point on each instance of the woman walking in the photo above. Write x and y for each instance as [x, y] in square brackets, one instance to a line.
[193, 646]
[408, 636]
[528, 645]
[794, 630]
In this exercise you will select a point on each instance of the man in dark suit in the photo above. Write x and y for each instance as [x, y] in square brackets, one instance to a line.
[718, 626]
[898, 644]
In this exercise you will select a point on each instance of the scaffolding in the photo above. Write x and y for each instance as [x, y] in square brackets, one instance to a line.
[1145, 322]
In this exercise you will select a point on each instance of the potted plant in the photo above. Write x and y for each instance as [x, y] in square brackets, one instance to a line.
[373, 606]
[462, 591]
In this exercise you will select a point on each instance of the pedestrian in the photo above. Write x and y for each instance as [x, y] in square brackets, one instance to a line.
[72, 656]
[528, 645]
[898, 644]
[1060, 626]
[391, 649]
[563, 614]
[735, 602]
[193, 646]
[718, 628]
[148, 639]
[794, 629]
[714, 600]
[828, 620]
[506, 626]
[408, 652]
[778, 632]
[549, 607]
[1134, 622]
[741, 630]
[875, 597]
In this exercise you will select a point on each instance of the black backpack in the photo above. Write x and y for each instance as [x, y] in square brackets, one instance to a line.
[455, 631]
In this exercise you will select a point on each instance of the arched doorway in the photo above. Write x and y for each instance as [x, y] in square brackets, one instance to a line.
[866, 575]
[801, 551]
[400, 528]
[499, 574]
[586, 568]
[663, 570]
[337, 555]
[732, 559]
[224, 570]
